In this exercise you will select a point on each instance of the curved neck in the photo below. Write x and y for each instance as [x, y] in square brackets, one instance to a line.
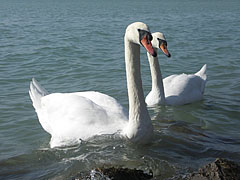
[157, 82]
[139, 120]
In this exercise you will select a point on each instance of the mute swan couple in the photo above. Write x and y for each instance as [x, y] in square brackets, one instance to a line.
[69, 117]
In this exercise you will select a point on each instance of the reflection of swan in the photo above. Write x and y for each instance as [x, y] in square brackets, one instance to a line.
[72, 116]
[175, 89]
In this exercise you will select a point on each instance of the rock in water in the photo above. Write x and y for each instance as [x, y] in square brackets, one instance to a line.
[124, 173]
[114, 173]
[220, 169]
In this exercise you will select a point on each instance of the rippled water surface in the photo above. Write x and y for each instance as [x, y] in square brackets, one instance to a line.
[77, 45]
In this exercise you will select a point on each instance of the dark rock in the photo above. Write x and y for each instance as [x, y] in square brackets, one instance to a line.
[113, 173]
[124, 173]
[220, 169]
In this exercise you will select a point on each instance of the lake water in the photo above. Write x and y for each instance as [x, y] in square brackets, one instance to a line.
[77, 45]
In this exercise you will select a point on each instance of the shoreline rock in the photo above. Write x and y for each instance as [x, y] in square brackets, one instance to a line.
[220, 169]
[114, 173]
[125, 173]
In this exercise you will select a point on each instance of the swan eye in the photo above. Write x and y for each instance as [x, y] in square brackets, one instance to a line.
[143, 33]
[162, 42]
[150, 37]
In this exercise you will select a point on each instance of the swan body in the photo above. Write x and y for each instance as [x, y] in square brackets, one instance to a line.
[70, 117]
[175, 89]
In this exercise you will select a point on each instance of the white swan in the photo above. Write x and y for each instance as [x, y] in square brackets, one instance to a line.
[175, 89]
[69, 117]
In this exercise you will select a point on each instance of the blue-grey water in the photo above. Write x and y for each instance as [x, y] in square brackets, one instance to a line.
[77, 45]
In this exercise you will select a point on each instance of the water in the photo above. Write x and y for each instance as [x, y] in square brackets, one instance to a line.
[78, 45]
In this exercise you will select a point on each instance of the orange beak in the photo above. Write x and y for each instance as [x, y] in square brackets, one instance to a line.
[148, 46]
[164, 49]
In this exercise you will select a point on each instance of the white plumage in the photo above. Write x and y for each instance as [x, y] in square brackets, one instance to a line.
[175, 89]
[69, 117]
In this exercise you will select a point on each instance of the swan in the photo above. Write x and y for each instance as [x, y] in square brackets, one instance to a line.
[71, 117]
[175, 89]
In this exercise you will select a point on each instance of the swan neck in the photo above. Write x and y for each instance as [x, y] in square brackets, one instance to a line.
[157, 81]
[139, 119]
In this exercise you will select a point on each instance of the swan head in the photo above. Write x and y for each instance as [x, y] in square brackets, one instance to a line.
[139, 33]
[159, 41]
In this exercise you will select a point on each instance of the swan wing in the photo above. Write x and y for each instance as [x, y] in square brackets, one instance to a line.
[105, 101]
[70, 116]
[79, 115]
[183, 88]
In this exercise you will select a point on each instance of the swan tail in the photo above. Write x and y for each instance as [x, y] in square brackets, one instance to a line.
[202, 72]
[36, 92]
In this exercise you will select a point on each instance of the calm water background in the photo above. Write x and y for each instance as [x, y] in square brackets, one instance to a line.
[77, 45]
